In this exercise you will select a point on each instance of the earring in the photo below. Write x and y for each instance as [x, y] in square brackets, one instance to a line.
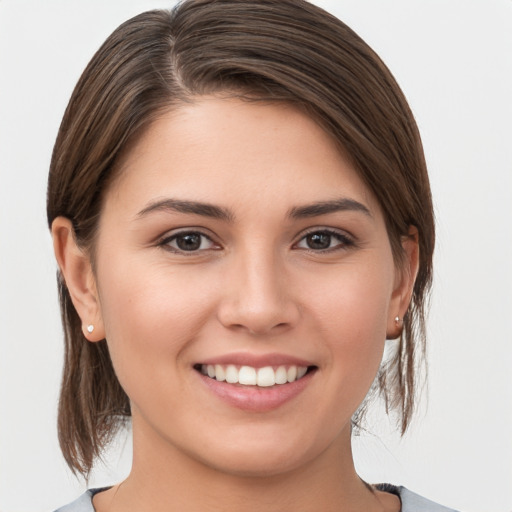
[397, 321]
[90, 328]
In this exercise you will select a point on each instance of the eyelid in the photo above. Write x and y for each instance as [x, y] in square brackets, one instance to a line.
[164, 240]
[346, 238]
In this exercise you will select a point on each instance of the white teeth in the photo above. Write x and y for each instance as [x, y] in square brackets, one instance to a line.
[249, 376]
[231, 374]
[266, 377]
[281, 375]
[291, 373]
[220, 374]
[301, 371]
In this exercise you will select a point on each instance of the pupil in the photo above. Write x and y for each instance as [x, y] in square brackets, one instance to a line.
[189, 242]
[319, 241]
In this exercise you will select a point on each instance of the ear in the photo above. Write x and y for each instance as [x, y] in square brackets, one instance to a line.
[76, 269]
[404, 284]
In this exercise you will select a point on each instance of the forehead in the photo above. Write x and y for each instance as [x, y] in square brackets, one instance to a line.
[237, 149]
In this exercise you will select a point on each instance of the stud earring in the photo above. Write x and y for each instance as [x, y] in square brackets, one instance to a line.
[90, 328]
[397, 321]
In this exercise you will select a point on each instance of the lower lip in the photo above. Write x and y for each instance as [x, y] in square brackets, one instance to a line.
[256, 398]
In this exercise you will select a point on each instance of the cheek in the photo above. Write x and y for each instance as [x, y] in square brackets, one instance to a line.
[151, 315]
[352, 311]
[355, 296]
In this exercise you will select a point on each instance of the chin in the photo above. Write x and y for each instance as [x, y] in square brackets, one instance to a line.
[257, 465]
[262, 456]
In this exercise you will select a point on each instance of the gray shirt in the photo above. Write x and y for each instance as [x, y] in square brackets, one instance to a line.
[411, 502]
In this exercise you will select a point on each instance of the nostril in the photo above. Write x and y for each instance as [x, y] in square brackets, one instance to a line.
[254, 309]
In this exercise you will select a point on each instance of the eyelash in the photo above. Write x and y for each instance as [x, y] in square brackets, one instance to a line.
[166, 242]
[344, 240]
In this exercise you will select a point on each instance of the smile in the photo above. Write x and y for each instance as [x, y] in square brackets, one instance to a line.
[266, 376]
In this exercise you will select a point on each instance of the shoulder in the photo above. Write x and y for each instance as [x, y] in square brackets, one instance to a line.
[83, 503]
[412, 502]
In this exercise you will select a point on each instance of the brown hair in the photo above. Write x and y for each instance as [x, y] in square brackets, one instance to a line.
[287, 50]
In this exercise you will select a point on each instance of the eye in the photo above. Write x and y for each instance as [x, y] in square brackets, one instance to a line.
[188, 241]
[324, 240]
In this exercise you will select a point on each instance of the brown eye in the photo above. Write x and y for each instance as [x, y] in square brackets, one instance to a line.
[324, 240]
[190, 241]
[319, 241]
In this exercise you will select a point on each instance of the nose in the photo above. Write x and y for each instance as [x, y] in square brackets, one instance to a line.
[258, 297]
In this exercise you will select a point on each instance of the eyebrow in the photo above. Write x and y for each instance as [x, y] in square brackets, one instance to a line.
[217, 212]
[325, 207]
[193, 207]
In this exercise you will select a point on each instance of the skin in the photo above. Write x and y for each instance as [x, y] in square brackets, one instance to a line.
[254, 287]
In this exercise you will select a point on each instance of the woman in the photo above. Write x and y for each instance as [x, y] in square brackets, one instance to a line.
[242, 216]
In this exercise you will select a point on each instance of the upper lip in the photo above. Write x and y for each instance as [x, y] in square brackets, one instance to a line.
[256, 360]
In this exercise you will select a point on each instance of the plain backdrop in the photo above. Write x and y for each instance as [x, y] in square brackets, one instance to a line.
[453, 59]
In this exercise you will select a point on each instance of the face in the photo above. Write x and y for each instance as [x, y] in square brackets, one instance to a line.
[245, 285]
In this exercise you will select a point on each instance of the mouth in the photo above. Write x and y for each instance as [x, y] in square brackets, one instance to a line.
[256, 383]
[262, 377]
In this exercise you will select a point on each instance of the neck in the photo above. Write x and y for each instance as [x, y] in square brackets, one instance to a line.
[164, 478]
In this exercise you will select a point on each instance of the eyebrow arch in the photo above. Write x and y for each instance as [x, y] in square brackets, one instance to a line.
[193, 207]
[325, 207]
